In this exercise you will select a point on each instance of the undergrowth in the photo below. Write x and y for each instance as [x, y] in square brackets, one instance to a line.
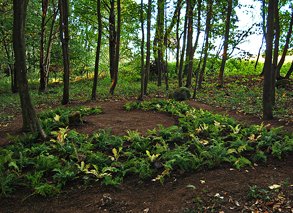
[201, 140]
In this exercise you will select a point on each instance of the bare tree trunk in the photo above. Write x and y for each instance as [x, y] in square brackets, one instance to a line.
[142, 52]
[268, 67]
[289, 71]
[177, 41]
[148, 45]
[97, 61]
[206, 46]
[160, 31]
[189, 50]
[282, 60]
[226, 43]
[112, 39]
[64, 36]
[29, 116]
[117, 49]
[43, 81]
[180, 73]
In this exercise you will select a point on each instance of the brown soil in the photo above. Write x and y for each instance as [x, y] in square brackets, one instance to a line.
[218, 190]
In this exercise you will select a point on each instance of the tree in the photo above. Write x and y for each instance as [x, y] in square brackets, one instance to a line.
[206, 44]
[45, 55]
[142, 71]
[148, 46]
[29, 116]
[226, 43]
[285, 50]
[114, 42]
[64, 36]
[189, 50]
[180, 72]
[98, 50]
[268, 66]
[160, 40]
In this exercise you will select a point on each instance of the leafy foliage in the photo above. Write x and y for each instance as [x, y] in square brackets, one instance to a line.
[200, 140]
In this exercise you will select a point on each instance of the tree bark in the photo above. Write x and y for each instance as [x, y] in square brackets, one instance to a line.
[64, 36]
[142, 71]
[160, 31]
[289, 71]
[112, 39]
[180, 73]
[282, 60]
[148, 46]
[206, 45]
[117, 49]
[98, 50]
[43, 75]
[268, 66]
[29, 116]
[226, 43]
[189, 50]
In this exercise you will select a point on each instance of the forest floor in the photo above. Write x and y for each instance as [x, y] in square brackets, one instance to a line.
[261, 188]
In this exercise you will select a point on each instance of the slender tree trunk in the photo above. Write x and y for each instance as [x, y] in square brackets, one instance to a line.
[14, 87]
[289, 71]
[148, 46]
[258, 54]
[177, 41]
[64, 36]
[276, 48]
[268, 66]
[282, 60]
[189, 50]
[117, 49]
[112, 39]
[199, 3]
[98, 50]
[160, 31]
[263, 11]
[29, 116]
[180, 73]
[142, 52]
[226, 43]
[43, 81]
[206, 46]
[50, 42]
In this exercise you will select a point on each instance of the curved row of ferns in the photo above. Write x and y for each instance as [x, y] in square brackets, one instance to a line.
[201, 140]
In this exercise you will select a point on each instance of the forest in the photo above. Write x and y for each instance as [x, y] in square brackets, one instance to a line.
[146, 106]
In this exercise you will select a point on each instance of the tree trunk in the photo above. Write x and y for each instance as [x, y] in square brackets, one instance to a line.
[43, 81]
[97, 61]
[180, 73]
[282, 60]
[206, 45]
[142, 71]
[148, 46]
[64, 36]
[268, 67]
[198, 25]
[112, 39]
[160, 31]
[177, 41]
[289, 71]
[226, 43]
[189, 50]
[29, 116]
[117, 49]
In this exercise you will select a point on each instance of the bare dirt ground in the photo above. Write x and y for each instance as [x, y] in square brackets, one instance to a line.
[218, 190]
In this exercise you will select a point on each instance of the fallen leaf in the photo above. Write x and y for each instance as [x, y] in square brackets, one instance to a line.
[202, 181]
[274, 186]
